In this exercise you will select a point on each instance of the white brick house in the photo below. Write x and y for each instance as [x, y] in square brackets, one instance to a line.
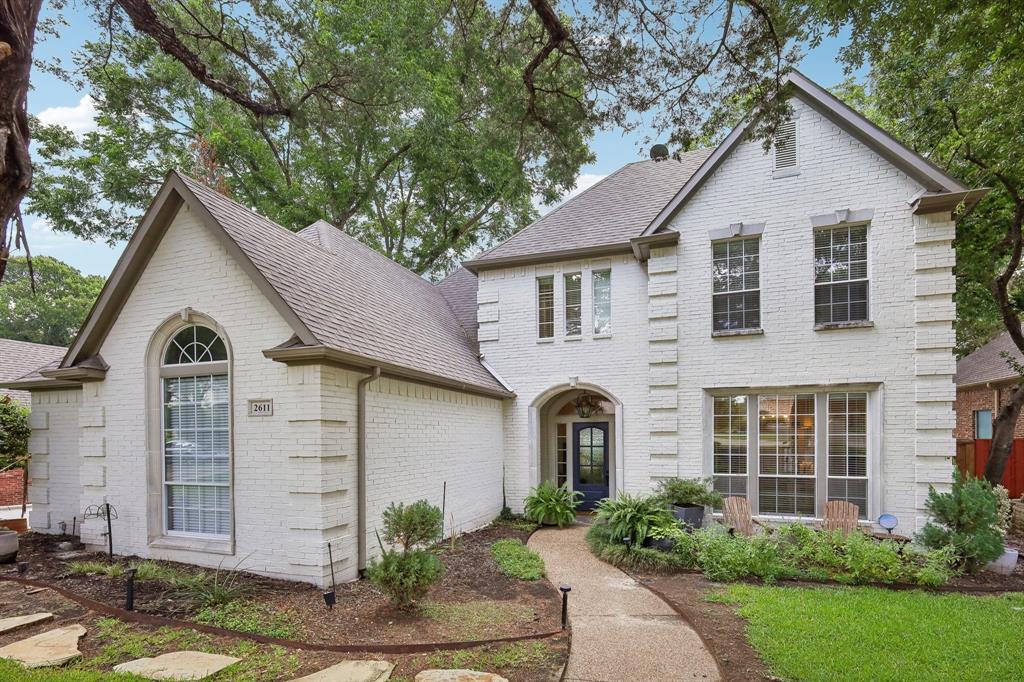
[781, 321]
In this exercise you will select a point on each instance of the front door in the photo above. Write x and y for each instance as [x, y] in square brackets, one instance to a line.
[590, 461]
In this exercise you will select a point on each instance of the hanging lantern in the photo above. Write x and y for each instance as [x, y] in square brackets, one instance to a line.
[587, 405]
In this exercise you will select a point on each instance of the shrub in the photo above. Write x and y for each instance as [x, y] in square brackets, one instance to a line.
[634, 516]
[633, 557]
[695, 491]
[551, 505]
[418, 524]
[935, 567]
[1004, 510]
[866, 560]
[966, 518]
[405, 576]
[516, 560]
[14, 432]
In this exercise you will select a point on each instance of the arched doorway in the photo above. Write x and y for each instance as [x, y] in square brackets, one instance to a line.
[576, 440]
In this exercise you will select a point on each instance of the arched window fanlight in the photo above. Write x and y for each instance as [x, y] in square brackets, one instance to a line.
[194, 345]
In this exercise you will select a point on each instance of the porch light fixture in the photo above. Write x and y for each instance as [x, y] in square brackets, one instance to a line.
[587, 405]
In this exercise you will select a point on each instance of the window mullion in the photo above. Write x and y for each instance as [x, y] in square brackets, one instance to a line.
[821, 452]
[753, 454]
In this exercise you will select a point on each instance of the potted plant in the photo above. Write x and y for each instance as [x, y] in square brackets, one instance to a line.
[687, 498]
[551, 505]
[8, 546]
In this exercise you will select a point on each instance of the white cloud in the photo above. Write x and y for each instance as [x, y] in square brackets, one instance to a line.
[583, 182]
[79, 119]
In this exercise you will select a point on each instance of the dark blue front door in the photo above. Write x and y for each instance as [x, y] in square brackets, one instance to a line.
[590, 461]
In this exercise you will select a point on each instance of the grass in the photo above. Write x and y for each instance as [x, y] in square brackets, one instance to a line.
[516, 560]
[248, 617]
[507, 657]
[144, 570]
[516, 523]
[474, 620]
[874, 634]
[96, 568]
[9, 670]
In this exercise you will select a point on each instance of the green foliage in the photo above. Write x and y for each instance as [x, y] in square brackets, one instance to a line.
[1004, 510]
[633, 557]
[96, 568]
[967, 519]
[480, 619]
[247, 616]
[418, 524]
[504, 657]
[517, 560]
[634, 516]
[876, 635]
[14, 433]
[405, 576]
[689, 491]
[54, 312]
[552, 505]
[516, 523]
[207, 588]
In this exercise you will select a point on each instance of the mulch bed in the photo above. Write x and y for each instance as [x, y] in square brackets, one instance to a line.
[472, 580]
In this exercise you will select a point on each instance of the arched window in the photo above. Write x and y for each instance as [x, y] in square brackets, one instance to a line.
[196, 434]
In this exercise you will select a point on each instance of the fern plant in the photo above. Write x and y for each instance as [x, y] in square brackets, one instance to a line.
[634, 516]
[552, 505]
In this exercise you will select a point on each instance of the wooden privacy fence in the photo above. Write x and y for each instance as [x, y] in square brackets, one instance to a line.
[972, 456]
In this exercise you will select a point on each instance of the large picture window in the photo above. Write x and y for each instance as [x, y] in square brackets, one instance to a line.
[841, 274]
[736, 284]
[196, 436]
[786, 454]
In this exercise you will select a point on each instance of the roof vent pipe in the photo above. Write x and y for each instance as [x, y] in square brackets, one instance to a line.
[361, 464]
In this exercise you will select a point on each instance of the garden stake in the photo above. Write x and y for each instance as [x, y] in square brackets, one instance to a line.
[331, 597]
[565, 590]
[129, 598]
[444, 498]
[110, 533]
[74, 523]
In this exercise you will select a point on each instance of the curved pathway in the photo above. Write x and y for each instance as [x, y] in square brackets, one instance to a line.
[620, 630]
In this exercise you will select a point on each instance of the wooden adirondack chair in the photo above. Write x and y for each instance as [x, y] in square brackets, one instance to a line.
[840, 515]
[738, 518]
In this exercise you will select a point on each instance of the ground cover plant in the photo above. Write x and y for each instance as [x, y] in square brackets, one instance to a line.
[864, 633]
[633, 516]
[517, 560]
[552, 505]
[246, 616]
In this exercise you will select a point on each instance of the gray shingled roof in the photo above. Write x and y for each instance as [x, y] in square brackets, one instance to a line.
[611, 212]
[987, 364]
[21, 358]
[352, 298]
[459, 289]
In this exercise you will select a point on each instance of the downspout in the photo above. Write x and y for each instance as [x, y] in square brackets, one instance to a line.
[361, 464]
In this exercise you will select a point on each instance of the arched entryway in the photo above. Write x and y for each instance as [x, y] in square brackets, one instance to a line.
[576, 440]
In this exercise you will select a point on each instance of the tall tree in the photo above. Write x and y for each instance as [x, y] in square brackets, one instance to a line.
[56, 309]
[946, 78]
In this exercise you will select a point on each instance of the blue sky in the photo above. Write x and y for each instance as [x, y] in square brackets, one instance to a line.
[56, 101]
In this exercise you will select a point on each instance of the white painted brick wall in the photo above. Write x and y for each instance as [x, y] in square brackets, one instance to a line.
[54, 492]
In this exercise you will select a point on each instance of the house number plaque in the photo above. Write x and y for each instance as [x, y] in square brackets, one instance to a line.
[263, 407]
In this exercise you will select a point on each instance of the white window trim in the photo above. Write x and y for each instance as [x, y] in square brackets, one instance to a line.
[861, 221]
[536, 308]
[739, 331]
[875, 441]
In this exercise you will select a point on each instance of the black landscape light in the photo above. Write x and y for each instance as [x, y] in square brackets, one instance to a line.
[22, 568]
[565, 590]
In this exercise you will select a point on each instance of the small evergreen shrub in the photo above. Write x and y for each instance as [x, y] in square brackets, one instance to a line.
[418, 524]
[967, 519]
[689, 491]
[405, 576]
[516, 560]
[634, 516]
[552, 505]
[1004, 510]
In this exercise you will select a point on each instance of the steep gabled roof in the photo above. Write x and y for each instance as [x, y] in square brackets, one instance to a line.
[987, 364]
[604, 216]
[335, 292]
[936, 182]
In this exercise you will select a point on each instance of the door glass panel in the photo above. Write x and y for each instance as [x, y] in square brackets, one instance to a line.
[591, 456]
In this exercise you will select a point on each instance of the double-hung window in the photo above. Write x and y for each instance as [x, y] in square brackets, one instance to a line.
[791, 452]
[736, 284]
[196, 457]
[546, 307]
[841, 274]
[573, 304]
[602, 295]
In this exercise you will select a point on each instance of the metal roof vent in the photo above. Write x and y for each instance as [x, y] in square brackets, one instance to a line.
[659, 152]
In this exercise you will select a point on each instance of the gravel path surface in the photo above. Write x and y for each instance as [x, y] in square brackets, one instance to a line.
[620, 630]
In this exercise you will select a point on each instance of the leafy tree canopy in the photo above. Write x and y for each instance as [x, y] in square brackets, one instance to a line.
[54, 313]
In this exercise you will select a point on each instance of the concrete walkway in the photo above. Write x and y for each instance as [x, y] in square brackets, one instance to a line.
[620, 630]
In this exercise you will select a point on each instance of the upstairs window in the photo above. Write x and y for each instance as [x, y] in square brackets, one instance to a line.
[546, 307]
[785, 146]
[736, 282]
[602, 290]
[841, 274]
[574, 304]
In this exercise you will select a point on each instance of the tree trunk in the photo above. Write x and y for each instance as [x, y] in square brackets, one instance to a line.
[1002, 435]
[18, 20]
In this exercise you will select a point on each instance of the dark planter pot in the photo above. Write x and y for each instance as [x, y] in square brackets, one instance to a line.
[690, 515]
[663, 544]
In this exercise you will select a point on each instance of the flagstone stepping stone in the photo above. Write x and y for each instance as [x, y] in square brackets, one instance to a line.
[53, 647]
[15, 622]
[177, 665]
[352, 671]
[457, 676]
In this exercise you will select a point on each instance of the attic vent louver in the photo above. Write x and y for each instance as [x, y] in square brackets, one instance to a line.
[785, 145]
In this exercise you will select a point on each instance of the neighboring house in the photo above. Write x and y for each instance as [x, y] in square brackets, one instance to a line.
[781, 321]
[18, 358]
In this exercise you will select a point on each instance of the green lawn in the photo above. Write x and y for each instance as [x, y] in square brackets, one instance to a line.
[875, 634]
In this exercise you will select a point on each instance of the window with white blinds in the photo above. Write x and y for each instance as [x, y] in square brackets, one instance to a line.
[196, 434]
[841, 274]
[546, 307]
[785, 145]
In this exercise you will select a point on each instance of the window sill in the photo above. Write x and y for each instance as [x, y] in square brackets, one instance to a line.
[723, 333]
[551, 340]
[602, 336]
[193, 544]
[860, 324]
[573, 338]
[785, 173]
